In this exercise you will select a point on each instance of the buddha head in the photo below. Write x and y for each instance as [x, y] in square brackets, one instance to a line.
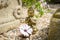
[30, 12]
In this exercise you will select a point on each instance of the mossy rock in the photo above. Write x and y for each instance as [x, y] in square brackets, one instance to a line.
[54, 31]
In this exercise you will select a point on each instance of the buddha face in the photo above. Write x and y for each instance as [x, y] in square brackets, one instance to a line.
[30, 12]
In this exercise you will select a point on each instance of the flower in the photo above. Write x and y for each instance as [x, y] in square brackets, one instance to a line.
[25, 30]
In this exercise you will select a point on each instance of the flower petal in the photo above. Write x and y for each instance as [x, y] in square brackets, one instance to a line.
[30, 31]
[24, 33]
[24, 26]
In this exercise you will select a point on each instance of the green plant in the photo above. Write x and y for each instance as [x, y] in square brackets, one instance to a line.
[36, 3]
[29, 2]
[39, 8]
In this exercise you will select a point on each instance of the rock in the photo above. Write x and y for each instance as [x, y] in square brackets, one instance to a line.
[12, 35]
[3, 4]
[54, 30]
[7, 19]
[41, 35]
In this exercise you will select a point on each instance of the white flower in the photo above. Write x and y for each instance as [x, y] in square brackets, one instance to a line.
[25, 30]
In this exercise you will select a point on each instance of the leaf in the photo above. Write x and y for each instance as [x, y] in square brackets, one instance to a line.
[38, 6]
